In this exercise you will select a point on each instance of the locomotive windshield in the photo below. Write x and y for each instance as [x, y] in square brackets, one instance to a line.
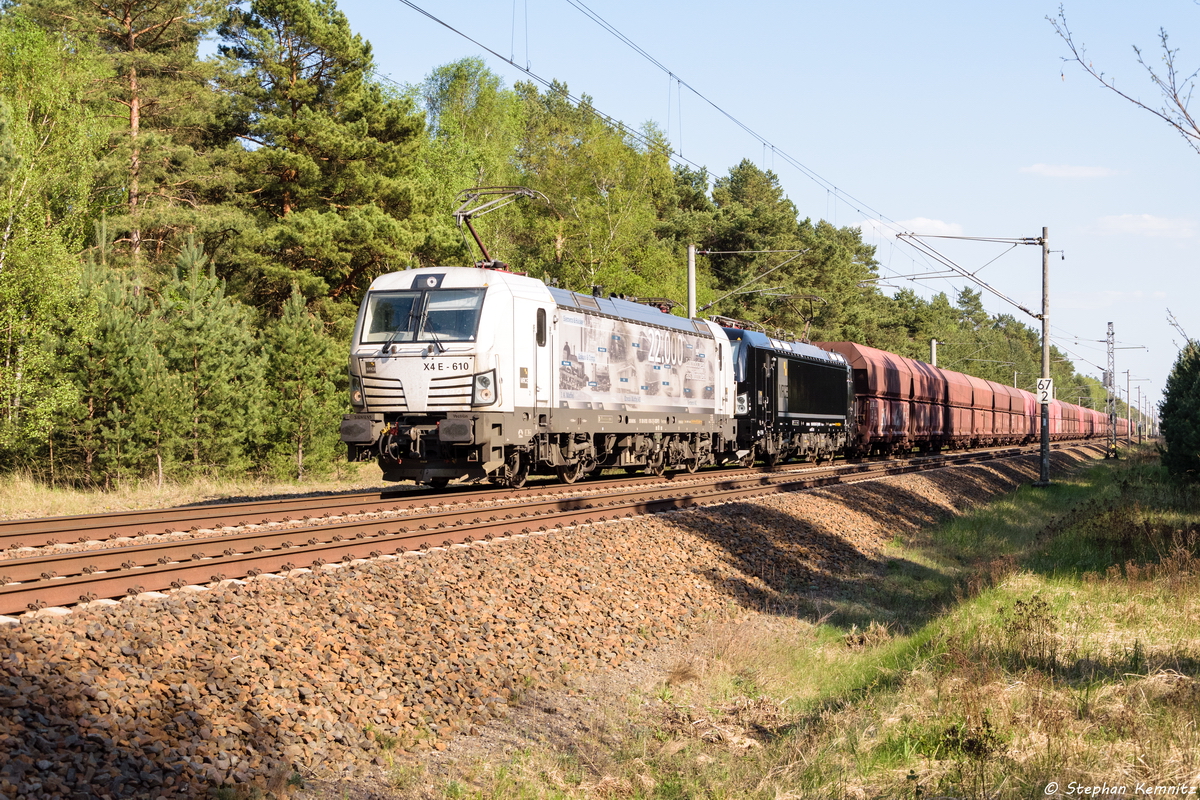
[435, 315]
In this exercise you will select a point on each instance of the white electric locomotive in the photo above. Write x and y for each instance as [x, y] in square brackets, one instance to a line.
[472, 373]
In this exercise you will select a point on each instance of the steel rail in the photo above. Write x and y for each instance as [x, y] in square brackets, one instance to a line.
[163, 566]
[48, 531]
[110, 525]
[79, 529]
[58, 565]
[43, 531]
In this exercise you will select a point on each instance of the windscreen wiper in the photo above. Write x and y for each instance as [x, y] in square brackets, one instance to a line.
[387, 345]
[441, 348]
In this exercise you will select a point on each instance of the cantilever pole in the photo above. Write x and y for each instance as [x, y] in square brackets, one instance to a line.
[691, 281]
[1044, 479]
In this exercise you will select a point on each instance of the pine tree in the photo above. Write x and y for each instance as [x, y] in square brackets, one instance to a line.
[789, 274]
[305, 379]
[123, 426]
[752, 214]
[159, 417]
[1180, 414]
[119, 357]
[159, 100]
[326, 179]
[210, 344]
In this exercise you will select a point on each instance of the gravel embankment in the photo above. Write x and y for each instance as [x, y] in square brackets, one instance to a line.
[245, 684]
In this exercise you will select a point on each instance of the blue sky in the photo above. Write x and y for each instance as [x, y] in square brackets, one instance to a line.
[939, 116]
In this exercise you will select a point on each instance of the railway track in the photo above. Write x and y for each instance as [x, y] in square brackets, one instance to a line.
[55, 579]
[26, 533]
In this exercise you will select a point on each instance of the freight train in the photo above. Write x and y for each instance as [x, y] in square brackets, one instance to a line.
[460, 373]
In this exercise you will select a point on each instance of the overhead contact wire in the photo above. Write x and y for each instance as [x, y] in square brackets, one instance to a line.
[625, 129]
[811, 174]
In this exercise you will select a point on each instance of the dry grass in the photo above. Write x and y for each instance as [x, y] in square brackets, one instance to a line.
[24, 498]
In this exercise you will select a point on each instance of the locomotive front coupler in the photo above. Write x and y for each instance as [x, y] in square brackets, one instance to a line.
[401, 441]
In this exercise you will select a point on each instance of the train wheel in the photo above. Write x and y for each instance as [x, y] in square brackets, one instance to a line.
[656, 464]
[569, 473]
[691, 464]
[771, 459]
[517, 468]
[439, 483]
[747, 460]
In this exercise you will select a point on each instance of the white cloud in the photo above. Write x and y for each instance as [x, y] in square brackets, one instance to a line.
[1068, 171]
[1148, 225]
[931, 227]
[920, 225]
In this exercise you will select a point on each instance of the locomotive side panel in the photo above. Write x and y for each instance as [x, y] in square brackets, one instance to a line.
[636, 388]
[610, 363]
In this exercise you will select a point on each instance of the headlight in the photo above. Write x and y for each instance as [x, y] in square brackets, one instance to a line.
[483, 389]
[356, 392]
[743, 404]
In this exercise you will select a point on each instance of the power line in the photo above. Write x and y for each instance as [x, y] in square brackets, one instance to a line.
[676, 157]
[915, 240]
[553, 86]
[808, 172]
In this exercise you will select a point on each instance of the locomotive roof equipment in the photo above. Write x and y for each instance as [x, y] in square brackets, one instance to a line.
[503, 195]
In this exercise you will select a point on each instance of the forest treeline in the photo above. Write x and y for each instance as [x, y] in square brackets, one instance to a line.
[184, 238]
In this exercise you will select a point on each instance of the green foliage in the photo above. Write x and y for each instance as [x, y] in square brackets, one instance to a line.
[605, 198]
[787, 274]
[306, 392]
[752, 215]
[474, 126]
[47, 163]
[167, 386]
[302, 178]
[160, 105]
[126, 423]
[1179, 414]
[178, 384]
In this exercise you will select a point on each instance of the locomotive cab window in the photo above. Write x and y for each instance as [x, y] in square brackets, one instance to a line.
[541, 327]
[436, 315]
